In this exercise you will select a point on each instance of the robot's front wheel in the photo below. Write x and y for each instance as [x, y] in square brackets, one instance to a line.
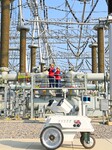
[88, 145]
[51, 137]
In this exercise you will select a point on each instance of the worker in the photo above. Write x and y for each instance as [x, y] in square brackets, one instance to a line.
[58, 77]
[51, 75]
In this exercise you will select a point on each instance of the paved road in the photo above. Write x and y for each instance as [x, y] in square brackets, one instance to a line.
[34, 144]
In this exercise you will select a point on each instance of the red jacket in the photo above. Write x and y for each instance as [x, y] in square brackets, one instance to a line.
[51, 72]
[57, 75]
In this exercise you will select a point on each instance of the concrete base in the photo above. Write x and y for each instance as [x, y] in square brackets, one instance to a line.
[34, 144]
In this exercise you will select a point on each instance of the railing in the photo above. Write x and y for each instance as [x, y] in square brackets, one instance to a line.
[43, 83]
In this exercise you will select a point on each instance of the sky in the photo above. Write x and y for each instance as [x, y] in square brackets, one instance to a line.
[58, 11]
[100, 8]
[100, 11]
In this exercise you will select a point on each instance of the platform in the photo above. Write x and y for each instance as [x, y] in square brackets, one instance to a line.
[34, 144]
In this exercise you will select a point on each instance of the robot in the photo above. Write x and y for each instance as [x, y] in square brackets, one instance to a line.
[62, 127]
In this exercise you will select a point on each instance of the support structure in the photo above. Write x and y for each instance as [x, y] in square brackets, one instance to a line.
[94, 58]
[42, 66]
[5, 24]
[23, 31]
[33, 56]
[100, 32]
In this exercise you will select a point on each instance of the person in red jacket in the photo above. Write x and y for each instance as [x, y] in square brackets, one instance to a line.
[51, 75]
[58, 77]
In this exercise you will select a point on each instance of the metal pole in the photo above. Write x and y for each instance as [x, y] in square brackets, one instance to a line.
[110, 58]
[20, 14]
[32, 102]
[5, 101]
[38, 30]
[110, 49]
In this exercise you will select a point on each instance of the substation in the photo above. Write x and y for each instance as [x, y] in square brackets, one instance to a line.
[86, 84]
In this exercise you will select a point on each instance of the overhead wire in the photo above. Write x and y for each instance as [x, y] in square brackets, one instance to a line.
[70, 42]
[88, 63]
[91, 12]
[67, 3]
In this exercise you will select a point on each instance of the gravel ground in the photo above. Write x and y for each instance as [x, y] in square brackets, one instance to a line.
[20, 129]
[103, 131]
[31, 130]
